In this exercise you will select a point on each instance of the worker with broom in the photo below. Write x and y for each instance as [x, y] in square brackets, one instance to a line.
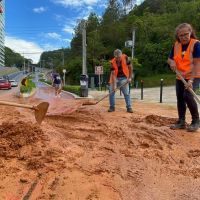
[184, 59]
[121, 76]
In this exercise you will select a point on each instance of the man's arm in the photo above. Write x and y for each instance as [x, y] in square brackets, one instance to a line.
[130, 68]
[196, 68]
[172, 64]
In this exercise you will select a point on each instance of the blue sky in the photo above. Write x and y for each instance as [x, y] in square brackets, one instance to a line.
[34, 26]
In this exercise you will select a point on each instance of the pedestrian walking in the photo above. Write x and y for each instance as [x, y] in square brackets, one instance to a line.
[185, 58]
[57, 84]
[121, 72]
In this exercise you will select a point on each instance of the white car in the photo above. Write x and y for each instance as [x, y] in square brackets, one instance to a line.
[13, 83]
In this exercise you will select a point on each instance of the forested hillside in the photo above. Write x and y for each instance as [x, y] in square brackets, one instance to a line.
[154, 20]
[13, 59]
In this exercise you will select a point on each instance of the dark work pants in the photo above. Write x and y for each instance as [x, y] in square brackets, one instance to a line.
[184, 97]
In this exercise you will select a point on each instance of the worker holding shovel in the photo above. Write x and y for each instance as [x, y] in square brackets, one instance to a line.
[121, 76]
[184, 59]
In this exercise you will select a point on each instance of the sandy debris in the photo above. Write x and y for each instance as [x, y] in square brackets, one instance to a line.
[92, 154]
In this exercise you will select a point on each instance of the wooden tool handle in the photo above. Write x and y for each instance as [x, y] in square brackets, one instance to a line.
[7, 103]
[112, 92]
[189, 88]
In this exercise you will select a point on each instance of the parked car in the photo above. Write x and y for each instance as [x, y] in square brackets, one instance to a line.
[5, 84]
[14, 83]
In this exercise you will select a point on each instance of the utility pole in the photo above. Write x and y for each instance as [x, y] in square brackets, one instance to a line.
[24, 66]
[84, 67]
[40, 66]
[63, 60]
[133, 41]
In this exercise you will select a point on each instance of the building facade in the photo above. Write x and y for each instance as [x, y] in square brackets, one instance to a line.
[2, 33]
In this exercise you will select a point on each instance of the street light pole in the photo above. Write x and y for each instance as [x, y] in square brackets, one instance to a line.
[40, 66]
[24, 66]
[64, 71]
[133, 41]
[84, 68]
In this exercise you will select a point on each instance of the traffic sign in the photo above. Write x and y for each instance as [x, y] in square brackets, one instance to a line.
[98, 70]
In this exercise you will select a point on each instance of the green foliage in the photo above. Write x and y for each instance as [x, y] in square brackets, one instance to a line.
[24, 89]
[154, 80]
[73, 89]
[75, 70]
[155, 22]
[30, 85]
[13, 59]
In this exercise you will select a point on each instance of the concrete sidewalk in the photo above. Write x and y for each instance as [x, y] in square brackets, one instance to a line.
[149, 94]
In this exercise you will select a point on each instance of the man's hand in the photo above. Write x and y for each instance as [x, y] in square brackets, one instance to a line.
[129, 80]
[172, 64]
[189, 84]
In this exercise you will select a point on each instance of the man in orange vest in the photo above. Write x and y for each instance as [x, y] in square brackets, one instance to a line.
[121, 72]
[185, 57]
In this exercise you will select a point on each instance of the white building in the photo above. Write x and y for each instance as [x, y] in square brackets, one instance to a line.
[2, 33]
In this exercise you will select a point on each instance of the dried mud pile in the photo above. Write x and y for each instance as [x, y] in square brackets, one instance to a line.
[92, 154]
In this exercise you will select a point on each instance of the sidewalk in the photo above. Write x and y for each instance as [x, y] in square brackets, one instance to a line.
[149, 94]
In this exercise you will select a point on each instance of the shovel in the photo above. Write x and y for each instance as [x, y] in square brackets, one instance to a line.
[40, 109]
[94, 103]
[188, 88]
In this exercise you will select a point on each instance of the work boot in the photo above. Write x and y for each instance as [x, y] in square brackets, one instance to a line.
[129, 110]
[111, 109]
[180, 124]
[194, 126]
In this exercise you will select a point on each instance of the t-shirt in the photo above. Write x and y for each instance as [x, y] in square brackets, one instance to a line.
[57, 79]
[195, 53]
[119, 64]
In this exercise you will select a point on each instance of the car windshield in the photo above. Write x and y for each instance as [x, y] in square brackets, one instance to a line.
[3, 81]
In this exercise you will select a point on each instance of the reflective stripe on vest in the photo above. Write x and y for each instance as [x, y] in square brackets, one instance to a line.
[124, 65]
[185, 64]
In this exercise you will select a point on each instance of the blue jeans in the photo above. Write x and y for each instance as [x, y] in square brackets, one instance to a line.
[125, 91]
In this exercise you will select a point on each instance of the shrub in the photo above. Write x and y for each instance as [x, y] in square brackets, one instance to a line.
[28, 87]
[76, 89]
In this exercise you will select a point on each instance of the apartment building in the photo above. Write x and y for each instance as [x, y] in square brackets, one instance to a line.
[2, 33]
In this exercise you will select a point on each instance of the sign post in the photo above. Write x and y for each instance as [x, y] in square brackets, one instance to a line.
[64, 71]
[99, 71]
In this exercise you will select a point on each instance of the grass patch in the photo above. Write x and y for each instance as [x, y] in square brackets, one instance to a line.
[154, 81]
[7, 70]
[76, 89]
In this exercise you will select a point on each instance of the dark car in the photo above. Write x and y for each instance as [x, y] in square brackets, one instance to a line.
[5, 84]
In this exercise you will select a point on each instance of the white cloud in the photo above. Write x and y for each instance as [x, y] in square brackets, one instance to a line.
[53, 35]
[39, 10]
[68, 29]
[75, 3]
[27, 49]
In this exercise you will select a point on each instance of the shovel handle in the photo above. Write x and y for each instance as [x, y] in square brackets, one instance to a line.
[17, 105]
[112, 92]
[188, 88]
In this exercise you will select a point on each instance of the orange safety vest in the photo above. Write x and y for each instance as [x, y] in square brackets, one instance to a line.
[185, 64]
[124, 65]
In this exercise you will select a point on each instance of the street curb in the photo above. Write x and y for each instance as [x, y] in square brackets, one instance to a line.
[74, 95]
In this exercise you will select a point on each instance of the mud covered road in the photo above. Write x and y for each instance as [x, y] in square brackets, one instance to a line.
[91, 154]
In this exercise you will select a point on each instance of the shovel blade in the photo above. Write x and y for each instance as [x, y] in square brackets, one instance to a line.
[40, 111]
